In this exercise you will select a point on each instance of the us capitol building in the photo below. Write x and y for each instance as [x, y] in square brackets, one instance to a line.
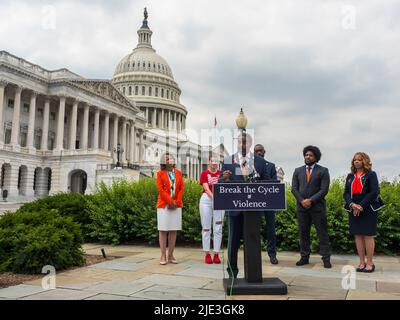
[60, 132]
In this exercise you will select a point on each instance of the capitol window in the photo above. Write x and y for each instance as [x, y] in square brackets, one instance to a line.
[156, 92]
[162, 93]
[167, 94]
[130, 91]
[143, 91]
[136, 90]
[123, 90]
[150, 91]
[11, 103]
[7, 138]
[26, 107]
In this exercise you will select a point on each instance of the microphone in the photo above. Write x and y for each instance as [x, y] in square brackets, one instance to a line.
[254, 175]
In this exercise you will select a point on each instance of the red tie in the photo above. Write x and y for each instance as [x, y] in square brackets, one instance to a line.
[308, 174]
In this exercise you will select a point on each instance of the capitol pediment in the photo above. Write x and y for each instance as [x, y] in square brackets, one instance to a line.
[105, 89]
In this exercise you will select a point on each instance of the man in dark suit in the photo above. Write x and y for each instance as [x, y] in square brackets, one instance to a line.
[310, 185]
[242, 166]
[270, 232]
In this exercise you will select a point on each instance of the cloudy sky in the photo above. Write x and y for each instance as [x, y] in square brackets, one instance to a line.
[305, 72]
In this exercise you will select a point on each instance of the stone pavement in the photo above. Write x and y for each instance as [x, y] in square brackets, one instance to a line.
[9, 206]
[137, 275]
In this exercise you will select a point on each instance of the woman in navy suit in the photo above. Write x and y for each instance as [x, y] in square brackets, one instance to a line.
[362, 202]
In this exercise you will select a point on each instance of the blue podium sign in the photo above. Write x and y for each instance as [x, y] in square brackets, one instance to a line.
[249, 196]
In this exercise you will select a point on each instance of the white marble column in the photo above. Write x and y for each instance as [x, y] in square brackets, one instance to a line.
[162, 119]
[31, 125]
[12, 183]
[106, 131]
[3, 85]
[123, 140]
[45, 128]
[115, 138]
[30, 174]
[16, 117]
[128, 141]
[85, 128]
[41, 188]
[96, 128]
[141, 146]
[72, 131]
[147, 116]
[60, 124]
[132, 143]
[154, 121]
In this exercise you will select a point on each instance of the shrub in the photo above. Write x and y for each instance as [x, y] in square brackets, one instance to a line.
[124, 212]
[72, 205]
[127, 211]
[31, 240]
[388, 231]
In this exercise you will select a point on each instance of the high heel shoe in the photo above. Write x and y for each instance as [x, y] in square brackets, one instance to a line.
[172, 260]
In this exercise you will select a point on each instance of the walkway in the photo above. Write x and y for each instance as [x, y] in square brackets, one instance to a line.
[137, 274]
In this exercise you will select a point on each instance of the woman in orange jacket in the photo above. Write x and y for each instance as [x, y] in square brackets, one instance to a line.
[169, 206]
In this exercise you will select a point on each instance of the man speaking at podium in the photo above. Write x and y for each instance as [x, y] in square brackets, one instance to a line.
[243, 166]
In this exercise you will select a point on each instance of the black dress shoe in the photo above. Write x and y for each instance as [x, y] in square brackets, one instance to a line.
[273, 260]
[232, 273]
[359, 269]
[369, 270]
[302, 262]
[327, 264]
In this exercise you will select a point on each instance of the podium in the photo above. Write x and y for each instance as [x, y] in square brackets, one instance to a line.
[252, 199]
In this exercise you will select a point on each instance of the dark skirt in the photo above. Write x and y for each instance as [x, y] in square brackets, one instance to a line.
[365, 223]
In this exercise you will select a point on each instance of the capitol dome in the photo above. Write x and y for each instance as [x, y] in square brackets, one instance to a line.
[146, 78]
[144, 60]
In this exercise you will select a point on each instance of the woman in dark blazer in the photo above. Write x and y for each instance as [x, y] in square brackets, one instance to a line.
[361, 197]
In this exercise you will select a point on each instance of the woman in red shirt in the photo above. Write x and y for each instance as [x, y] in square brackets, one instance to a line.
[208, 214]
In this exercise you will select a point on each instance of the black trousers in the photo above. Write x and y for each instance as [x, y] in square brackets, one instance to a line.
[235, 235]
[270, 233]
[305, 220]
